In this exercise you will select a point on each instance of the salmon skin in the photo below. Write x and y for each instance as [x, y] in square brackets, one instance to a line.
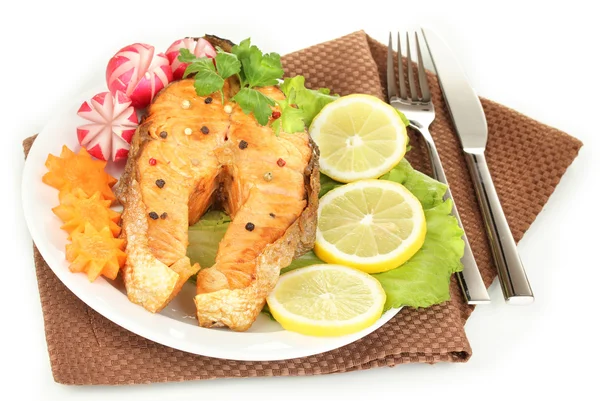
[192, 153]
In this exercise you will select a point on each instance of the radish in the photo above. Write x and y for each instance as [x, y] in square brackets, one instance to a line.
[113, 122]
[200, 47]
[139, 73]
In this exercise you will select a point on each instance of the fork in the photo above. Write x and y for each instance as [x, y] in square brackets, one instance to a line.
[415, 103]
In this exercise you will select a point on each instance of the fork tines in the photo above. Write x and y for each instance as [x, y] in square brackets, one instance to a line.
[415, 92]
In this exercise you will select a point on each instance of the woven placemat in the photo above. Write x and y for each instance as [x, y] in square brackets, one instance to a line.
[526, 159]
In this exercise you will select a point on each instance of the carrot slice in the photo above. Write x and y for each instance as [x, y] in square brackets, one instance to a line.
[71, 170]
[96, 253]
[76, 209]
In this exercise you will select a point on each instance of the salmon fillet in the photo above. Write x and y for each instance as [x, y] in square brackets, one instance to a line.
[190, 154]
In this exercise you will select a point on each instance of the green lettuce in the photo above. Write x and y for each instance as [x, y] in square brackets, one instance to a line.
[308, 259]
[301, 104]
[204, 237]
[429, 191]
[424, 280]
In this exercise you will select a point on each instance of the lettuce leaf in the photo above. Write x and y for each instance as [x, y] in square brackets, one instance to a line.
[403, 117]
[424, 280]
[204, 237]
[300, 105]
[429, 191]
[308, 259]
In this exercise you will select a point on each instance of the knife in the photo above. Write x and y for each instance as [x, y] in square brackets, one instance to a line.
[471, 126]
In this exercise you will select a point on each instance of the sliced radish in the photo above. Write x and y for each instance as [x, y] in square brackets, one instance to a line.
[200, 47]
[139, 73]
[113, 122]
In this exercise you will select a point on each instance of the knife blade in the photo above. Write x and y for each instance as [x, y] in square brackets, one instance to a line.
[470, 125]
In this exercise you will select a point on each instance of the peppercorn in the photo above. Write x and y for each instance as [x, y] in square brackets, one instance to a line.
[208, 100]
[249, 226]
[153, 215]
[160, 183]
[152, 161]
[204, 130]
[243, 144]
[163, 134]
[164, 215]
[280, 162]
[272, 215]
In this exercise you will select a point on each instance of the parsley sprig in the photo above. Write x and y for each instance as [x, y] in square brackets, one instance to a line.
[255, 69]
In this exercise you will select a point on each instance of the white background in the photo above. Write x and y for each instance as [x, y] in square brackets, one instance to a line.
[540, 59]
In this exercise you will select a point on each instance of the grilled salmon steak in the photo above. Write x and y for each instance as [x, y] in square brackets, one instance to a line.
[192, 153]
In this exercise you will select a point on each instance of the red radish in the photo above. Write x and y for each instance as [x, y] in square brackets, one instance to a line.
[139, 73]
[113, 123]
[200, 47]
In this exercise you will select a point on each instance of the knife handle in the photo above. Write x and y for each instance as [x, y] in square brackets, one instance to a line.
[511, 273]
[469, 278]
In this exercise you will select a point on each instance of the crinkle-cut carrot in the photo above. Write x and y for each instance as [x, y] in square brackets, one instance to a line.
[96, 253]
[77, 208]
[79, 170]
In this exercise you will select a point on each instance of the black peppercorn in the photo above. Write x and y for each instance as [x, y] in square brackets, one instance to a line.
[243, 144]
[204, 130]
[153, 215]
[160, 183]
[164, 215]
[249, 226]
[208, 100]
[163, 134]
[272, 214]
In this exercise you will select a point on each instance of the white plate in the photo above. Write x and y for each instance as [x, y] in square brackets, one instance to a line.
[176, 325]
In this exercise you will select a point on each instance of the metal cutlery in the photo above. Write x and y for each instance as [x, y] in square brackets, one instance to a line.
[420, 112]
[471, 126]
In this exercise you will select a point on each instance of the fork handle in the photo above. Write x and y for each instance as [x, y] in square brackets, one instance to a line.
[511, 273]
[469, 278]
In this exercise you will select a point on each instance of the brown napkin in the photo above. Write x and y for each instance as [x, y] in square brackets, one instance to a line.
[526, 158]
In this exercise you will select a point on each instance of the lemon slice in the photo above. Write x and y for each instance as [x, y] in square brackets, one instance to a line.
[326, 300]
[372, 225]
[359, 137]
